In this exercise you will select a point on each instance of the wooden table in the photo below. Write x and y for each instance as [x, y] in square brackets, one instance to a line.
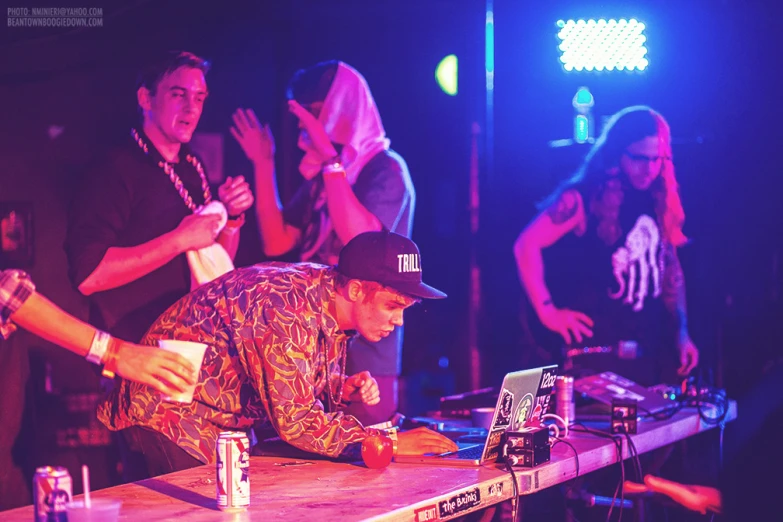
[290, 490]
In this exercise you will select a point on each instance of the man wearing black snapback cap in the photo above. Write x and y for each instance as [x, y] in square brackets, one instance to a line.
[277, 337]
[390, 259]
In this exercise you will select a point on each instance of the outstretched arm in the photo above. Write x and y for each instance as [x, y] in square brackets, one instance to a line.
[258, 144]
[165, 371]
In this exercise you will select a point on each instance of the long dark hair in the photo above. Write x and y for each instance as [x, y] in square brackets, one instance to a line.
[596, 175]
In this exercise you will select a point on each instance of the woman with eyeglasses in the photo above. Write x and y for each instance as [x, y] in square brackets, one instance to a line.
[611, 285]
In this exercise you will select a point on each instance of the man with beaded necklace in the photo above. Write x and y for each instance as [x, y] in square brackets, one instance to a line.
[136, 216]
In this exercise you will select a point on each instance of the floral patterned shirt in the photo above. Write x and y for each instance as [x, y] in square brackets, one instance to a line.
[273, 338]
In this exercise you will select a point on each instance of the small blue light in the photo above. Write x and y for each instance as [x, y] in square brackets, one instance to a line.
[489, 50]
[443, 362]
[581, 128]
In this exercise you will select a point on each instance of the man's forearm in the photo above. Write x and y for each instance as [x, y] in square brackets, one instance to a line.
[349, 217]
[276, 237]
[40, 316]
[122, 265]
[673, 292]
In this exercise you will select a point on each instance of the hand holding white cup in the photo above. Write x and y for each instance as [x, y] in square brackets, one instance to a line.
[193, 352]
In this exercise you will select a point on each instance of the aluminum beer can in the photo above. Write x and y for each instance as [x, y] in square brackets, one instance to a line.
[233, 467]
[52, 489]
[564, 395]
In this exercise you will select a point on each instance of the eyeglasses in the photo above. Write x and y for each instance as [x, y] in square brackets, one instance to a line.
[644, 157]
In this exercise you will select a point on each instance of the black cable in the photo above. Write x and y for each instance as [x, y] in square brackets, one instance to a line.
[712, 397]
[514, 492]
[618, 442]
[614, 498]
[622, 496]
[591, 431]
[576, 455]
[634, 455]
[716, 398]
[621, 485]
[615, 438]
[664, 414]
[638, 460]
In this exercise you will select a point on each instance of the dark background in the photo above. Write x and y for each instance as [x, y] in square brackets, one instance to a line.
[712, 75]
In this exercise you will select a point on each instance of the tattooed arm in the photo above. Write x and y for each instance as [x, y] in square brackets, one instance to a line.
[566, 215]
[673, 296]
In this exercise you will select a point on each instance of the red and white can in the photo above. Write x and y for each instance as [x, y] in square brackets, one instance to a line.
[52, 489]
[233, 467]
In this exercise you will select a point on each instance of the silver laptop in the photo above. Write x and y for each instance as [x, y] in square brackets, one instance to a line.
[523, 399]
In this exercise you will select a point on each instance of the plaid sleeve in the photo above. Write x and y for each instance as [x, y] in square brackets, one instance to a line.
[15, 287]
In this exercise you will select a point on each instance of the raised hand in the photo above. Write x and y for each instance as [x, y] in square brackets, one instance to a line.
[255, 139]
[318, 137]
[236, 195]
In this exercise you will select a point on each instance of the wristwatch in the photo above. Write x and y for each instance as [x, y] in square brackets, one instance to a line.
[235, 221]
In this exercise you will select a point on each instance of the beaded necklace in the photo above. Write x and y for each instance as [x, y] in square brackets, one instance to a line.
[169, 170]
[342, 358]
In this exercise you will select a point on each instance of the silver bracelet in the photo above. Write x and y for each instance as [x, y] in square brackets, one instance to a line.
[100, 342]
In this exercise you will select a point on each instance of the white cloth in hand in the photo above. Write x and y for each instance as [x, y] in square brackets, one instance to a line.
[209, 263]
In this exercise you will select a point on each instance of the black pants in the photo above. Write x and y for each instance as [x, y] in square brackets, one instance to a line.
[160, 454]
[14, 373]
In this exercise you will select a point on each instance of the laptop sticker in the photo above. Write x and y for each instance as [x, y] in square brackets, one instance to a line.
[524, 408]
[503, 417]
[547, 384]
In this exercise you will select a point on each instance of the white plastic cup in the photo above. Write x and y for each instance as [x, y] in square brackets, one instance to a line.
[100, 510]
[193, 352]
